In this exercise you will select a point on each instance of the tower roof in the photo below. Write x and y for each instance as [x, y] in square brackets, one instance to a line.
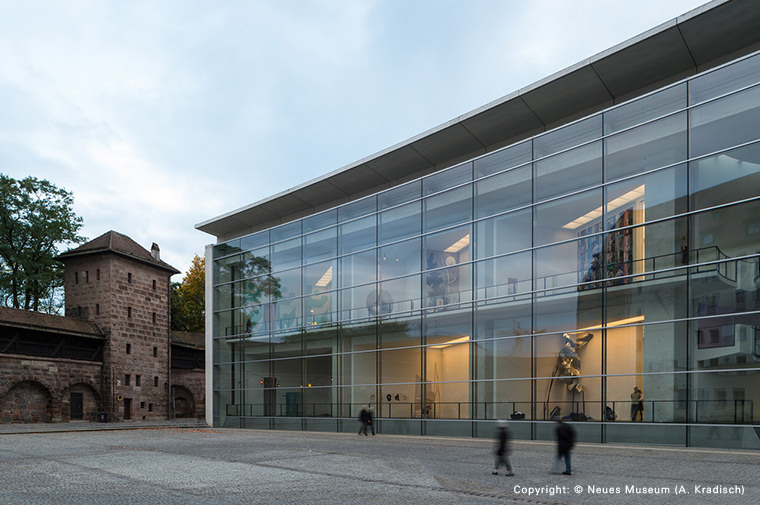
[117, 243]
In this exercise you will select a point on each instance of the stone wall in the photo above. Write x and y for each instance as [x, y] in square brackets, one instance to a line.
[191, 383]
[38, 389]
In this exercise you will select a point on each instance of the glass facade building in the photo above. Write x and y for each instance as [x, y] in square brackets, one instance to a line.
[545, 279]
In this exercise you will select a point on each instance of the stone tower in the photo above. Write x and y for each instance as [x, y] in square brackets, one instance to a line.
[125, 290]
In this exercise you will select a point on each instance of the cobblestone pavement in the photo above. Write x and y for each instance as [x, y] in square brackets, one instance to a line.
[191, 465]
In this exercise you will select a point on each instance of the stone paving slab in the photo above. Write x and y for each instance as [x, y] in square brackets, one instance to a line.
[191, 465]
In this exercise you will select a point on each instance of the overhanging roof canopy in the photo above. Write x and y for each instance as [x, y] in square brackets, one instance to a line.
[704, 37]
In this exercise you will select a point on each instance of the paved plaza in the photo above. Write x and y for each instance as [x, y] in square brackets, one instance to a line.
[193, 464]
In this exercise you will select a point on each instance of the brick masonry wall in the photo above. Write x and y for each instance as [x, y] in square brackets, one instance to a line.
[194, 384]
[130, 302]
[38, 389]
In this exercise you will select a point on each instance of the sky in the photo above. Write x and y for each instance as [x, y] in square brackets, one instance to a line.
[158, 115]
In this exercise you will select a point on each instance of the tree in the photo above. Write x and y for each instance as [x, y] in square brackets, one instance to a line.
[189, 298]
[36, 217]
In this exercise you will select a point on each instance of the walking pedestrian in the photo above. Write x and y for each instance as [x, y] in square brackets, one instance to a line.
[371, 419]
[364, 420]
[502, 449]
[565, 443]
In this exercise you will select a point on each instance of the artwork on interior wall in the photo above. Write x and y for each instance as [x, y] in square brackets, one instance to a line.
[616, 246]
[440, 284]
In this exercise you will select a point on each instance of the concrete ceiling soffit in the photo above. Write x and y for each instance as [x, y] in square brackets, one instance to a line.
[286, 205]
[316, 194]
[450, 143]
[642, 65]
[502, 122]
[399, 163]
[724, 30]
[568, 95]
[360, 178]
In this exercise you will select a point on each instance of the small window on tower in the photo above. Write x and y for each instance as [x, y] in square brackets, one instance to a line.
[155, 352]
[154, 284]
[150, 407]
[86, 276]
[97, 274]
[129, 348]
[97, 309]
[127, 378]
[137, 380]
[129, 311]
[142, 405]
[155, 382]
[154, 318]
[129, 277]
[76, 277]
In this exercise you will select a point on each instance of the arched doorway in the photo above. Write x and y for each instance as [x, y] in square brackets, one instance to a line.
[26, 402]
[184, 403]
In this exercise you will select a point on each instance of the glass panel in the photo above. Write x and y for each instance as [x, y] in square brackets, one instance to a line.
[504, 234]
[724, 288]
[503, 159]
[567, 310]
[359, 302]
[358, 269]
[221, 250]
[557, 400]
[505, 319]
[504, 276]
[447, 286]
[725, 397]
[447, 248]
[659, 398]
[255, 263]
[286, 254]
[724, 123]
[727, 233]
[649, 197]
[567, 137]
[400, 259]
[285, 231]
[568, 218]
[287, 313]
[447, 365]
[357, 209]
[645, 109]
[646, 303]
[321, 308]
[735, 76]
[289, 282]
[725, 178]
[569, 171]
[647, 147]
[569, 264]
[319, 221]
[401, 369]
[400, 295]
[319, 277]
[447, 179]
[320, 245]
[257, 240]
[227, 269]
[401, 222]
[401, 194]
[447, 209]
[503, 192]
[357, 235]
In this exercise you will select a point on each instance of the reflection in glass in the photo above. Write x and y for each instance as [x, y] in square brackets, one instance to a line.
[569, 171]
[724, 123]
[400, 222]
[503, 192]
[645, 109]
[726, 177]
[447, 209]
[503, 159]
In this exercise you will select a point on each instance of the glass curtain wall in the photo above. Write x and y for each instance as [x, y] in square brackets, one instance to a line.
[605, 272]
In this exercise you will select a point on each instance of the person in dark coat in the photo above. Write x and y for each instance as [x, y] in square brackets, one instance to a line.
[371, 419]
[364, 420]
[502, 449]
[565, 444]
